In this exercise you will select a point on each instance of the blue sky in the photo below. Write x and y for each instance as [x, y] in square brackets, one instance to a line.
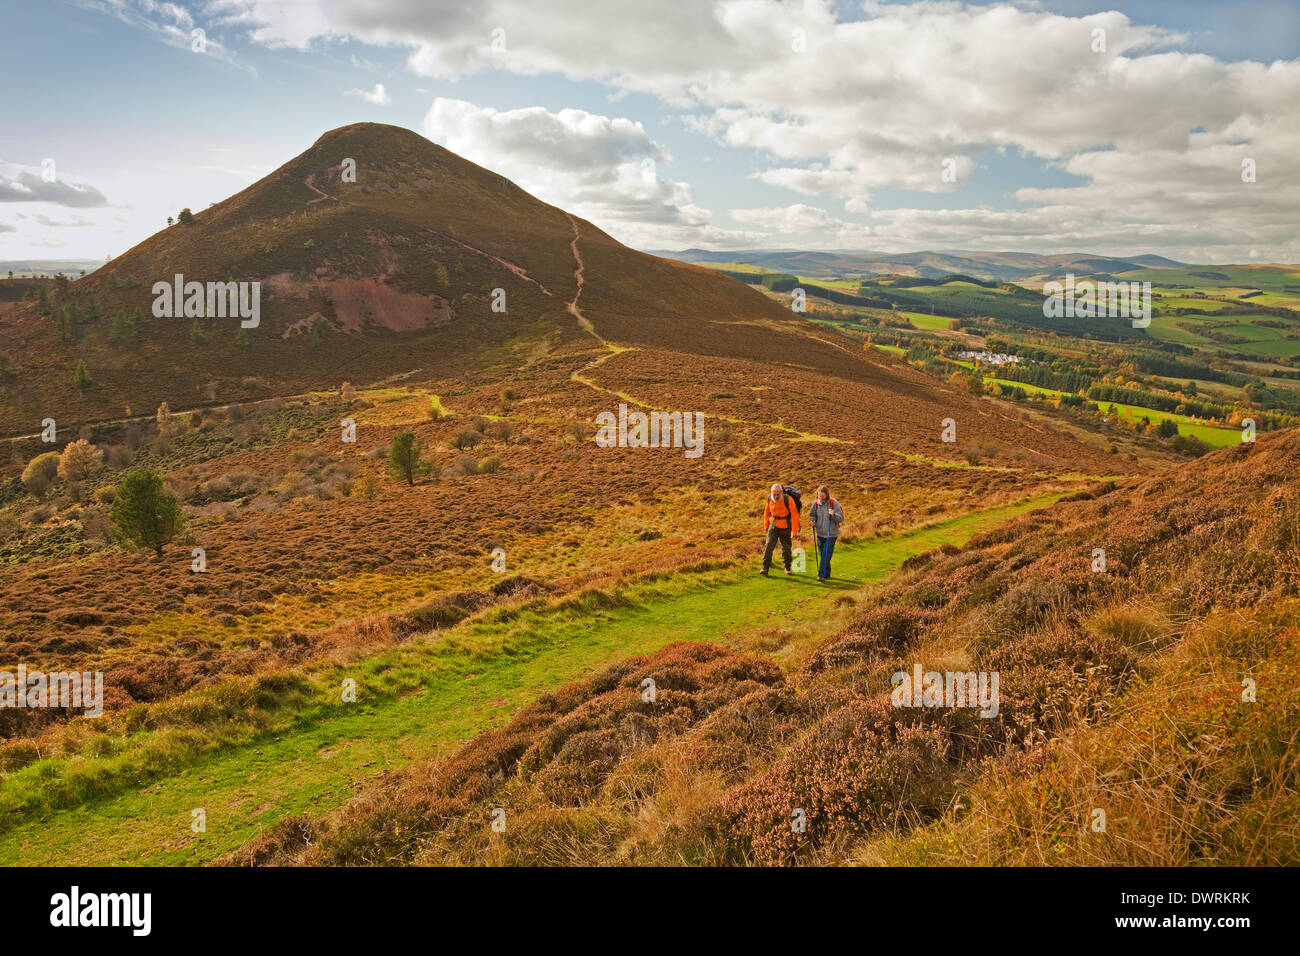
[741, 123]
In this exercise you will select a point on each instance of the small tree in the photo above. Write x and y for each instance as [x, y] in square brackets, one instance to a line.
[81, 376]
[80, 460]
[404, 459]
[164, 418]
[40, 472]
[123, 329]
[242, 338]
[185, 217]
[1167, 428]
[347, 394]
[143, 513]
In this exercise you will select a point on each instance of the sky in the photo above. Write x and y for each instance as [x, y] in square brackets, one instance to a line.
[1056, 126]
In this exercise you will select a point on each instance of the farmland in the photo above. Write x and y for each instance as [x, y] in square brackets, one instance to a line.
[1205, 320]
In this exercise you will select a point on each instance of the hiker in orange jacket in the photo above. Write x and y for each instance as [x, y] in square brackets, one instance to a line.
[781, 520]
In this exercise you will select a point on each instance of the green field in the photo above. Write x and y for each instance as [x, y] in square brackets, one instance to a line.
[1211, 435]
[929, 323]
[1261, 339]
[1172, 300]
[460, 682]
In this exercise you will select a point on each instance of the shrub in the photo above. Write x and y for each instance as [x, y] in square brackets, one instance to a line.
[1189, 445]
[40, 472]
[466, 440]
[489, 466]
[144, 514]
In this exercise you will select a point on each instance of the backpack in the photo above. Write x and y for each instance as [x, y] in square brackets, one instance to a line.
[793, 493]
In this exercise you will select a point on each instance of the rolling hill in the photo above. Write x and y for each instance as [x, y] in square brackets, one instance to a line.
[992, 266]
[360, 280]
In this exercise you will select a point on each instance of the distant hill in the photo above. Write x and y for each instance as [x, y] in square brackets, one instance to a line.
[49, 267]
[990, 266]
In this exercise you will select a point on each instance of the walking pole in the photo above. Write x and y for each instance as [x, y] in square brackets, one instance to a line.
[817, 547]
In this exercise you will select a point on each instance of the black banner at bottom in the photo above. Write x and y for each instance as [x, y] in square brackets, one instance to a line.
[301, 906]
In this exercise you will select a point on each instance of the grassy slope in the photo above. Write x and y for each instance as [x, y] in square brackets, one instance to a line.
[316, 769]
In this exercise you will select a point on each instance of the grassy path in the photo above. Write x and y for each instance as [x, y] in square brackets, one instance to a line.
[319, 767]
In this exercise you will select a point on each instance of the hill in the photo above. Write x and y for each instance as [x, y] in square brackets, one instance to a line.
[389, 274]
[990, 266]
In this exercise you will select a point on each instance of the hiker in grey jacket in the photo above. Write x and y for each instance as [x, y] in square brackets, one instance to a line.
[826, 516]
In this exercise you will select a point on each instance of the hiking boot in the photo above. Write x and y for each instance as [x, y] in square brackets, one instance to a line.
[763, 572]
[788, 571]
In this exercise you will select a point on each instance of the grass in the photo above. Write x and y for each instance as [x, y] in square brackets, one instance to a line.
[1187, 772]
[460, 684]
[1211, 435]
[930, 323]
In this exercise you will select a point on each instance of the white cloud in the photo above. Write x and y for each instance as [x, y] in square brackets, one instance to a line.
[846, 108]
[378, 96]
[805, 227]
[170, 23]
[29, 184]
[605, 169]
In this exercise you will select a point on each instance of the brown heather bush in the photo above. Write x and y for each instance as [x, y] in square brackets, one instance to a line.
[1188, 774]
[880, 631]
[864, 767]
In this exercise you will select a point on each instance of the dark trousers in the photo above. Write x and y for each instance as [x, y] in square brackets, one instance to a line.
[825, 548]
[775, 534]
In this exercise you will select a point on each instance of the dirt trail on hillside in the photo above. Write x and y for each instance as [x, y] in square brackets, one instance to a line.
[579, 268]
[310, 183]
[612, 350]
[517, 270]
